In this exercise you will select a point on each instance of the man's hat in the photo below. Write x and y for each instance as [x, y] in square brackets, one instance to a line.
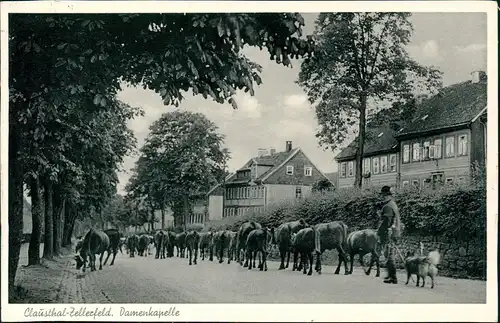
[386, 190]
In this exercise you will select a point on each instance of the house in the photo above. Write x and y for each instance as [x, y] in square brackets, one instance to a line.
[199, 211]
[380, 157]
[446, 137]
[268, 178]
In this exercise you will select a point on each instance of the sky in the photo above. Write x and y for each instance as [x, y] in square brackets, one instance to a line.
[279, 111]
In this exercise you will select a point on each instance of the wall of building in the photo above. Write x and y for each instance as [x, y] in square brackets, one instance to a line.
[215, 207]
[299, 161]
[389, 177]
[276, 193]
[478, 142]
[453, 168]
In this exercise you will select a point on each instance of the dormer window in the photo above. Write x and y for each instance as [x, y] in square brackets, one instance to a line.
[289, 170]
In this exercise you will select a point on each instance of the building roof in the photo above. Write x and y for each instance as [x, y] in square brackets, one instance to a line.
[275, 161]
[379, 138]
[453, 106]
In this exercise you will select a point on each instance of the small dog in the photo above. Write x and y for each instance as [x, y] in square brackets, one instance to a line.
[422, 266]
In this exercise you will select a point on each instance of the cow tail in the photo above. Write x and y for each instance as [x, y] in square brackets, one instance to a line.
[317, 240]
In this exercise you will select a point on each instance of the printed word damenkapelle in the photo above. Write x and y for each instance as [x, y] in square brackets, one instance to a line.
[172, 311]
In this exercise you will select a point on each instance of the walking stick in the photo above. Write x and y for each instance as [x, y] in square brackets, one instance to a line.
[402, 258]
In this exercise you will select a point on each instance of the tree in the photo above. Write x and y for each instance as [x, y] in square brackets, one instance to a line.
[86, 59]
[322, 185]
[181, 157]
[361, 57]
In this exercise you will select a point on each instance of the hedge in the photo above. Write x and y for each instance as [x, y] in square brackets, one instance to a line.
[456, 212]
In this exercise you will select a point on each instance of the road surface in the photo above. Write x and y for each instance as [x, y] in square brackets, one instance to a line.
[172, 280]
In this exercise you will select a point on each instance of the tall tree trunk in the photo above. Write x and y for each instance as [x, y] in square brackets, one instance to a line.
[58, 207]
[162, 217]
[69, 224]
[16, 199]
[48, 245]
[358, 179]
[186, 211]
[36, 213]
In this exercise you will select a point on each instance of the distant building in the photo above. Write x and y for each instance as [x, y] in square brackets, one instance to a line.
[268, 178]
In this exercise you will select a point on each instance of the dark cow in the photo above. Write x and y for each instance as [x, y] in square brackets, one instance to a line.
[231, 252]
[329, 236]
[160, 244]
[94, 242]
[79, 244]
[180, 243]
[283, 237]
[207, 244]
[363, 242]
[114, 244]
[304, 244]
[222, 240]
[142, 247]
[169, 241]
[243, 233]
[192, 242]
[132, 243]
[258, 241]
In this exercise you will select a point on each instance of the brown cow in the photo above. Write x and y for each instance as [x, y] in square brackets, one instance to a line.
[132, 243]
[169, 241]
[243, 233]
[329, 236]
[160, 244]
[361, 243]
[180, 243]
[283, 236]
[192, 242]
[142, 247]
[304, 243]
[207, 243]
[114, 243]
[94, 242]
[258, 241]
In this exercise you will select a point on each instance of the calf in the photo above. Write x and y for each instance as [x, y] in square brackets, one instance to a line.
[207, 243]
[192, 242]
[160, 244]
[258, 240]
[361, 243]
[132, 243]
[94, 242]
[143, 245]
[180, 242]
[114, 244]
[169, 241]
[329, 236]
[283, 236]
[304, 244]
[243, 233]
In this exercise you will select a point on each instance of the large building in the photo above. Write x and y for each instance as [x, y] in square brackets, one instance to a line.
[440, 145]
[268, 178]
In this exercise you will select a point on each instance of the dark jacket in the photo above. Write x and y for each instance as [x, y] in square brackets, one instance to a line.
[390, 220]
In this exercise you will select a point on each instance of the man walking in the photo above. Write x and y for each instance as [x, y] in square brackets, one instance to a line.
[389, 231]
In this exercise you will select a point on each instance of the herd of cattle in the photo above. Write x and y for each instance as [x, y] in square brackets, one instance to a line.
[252, 241]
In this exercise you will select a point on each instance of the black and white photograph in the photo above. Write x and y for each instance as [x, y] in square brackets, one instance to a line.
[161, 155]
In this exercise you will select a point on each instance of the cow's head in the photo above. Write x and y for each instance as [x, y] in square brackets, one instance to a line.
[79, 262]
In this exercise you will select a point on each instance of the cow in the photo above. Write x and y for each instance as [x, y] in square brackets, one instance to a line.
[143, 245]
[329, 236]
[243, 233]
[123, 243]
[132, 243]
[180, 243]
[207, 244]
[160, 244]
[192, 242]
[169, 241]
[282, 238]
[222, 240]
[363, 242]
[258, 241]
[231, 250]
[150, 244]
[304, 244]
[114, 244]
[79, 244]
[94, 242]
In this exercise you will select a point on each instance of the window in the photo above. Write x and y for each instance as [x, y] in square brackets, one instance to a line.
[426, 183]
[437, 180]
[438, 149]
[393, 162]
[416, 184]
[383, 164]
[289, 170]
[416, 151]
[366, 165]
[462, 145]
[298, 192]
[375, 162]
[406, 153]
[308, 171]
[425, 152]
[351, 169]
[450, 147]
[342, 169]
[449, 181]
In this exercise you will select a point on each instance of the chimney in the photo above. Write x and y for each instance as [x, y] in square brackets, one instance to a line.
[478, 76]
[288, 146]
[261, 152]
[272, 151]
